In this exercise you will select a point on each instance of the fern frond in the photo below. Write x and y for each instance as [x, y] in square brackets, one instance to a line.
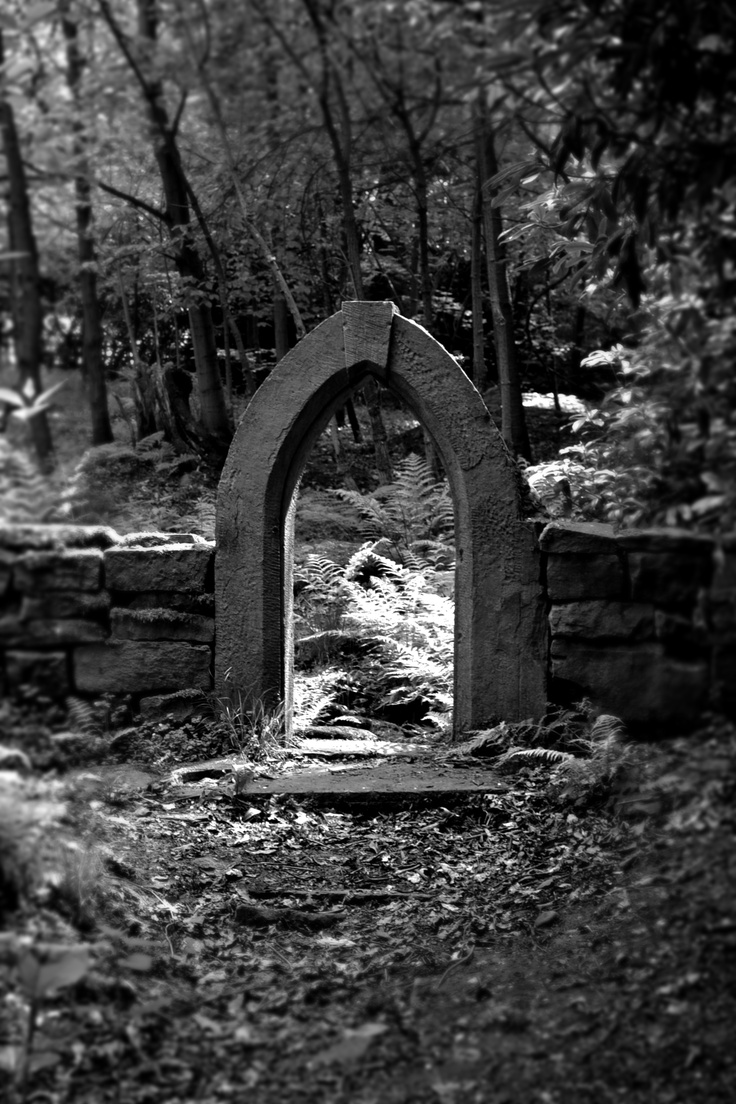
[26, 493]
[548, 755]
[414, 507]
[84, 716]
[607, 728]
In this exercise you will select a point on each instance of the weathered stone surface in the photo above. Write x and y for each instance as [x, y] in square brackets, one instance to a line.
[498, 671]
[673, 542]
[161, 624]
[639, 683]
[680, 632]
[141, 667]
[64, 604]
[185, 567]
[181, 705]
[156, 539]
[667, 580]
[367, 334]
[724, 677]
[15, 633]
[7, 559]
[499, 668]
[590, 620]
[576, 577]
[46, 671]
[724, 576]
[576, 537]
[722, 615]
[39, 537]
[73, 569]
[203, 604]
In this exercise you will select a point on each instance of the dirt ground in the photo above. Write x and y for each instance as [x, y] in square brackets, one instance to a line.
[498, 948]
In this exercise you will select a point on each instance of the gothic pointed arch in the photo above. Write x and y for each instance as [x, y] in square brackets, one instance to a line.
[500, 644]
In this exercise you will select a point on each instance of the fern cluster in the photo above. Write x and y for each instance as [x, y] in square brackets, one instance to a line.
[26, 494]
[391, 633]
[595, 762]
[415, 507]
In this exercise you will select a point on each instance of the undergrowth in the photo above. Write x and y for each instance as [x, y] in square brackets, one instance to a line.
[373, 639]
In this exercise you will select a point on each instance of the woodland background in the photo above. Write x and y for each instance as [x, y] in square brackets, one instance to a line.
[188, 186]
[547, 186]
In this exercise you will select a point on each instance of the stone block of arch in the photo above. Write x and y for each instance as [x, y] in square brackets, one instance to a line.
[500, 629]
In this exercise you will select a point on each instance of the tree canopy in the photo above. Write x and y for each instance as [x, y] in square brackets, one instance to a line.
[546, 185]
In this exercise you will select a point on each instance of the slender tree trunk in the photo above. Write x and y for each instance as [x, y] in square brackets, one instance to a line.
[513, 422]
[93, 367]
[479, 370]
[212, 405]
[280, 326]
[228, 323]
[341, 140]
[26, 306]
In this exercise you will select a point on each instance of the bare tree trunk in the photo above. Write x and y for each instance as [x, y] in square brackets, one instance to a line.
[27, 309]
[341, 142]
[280, 326]
[213, 408]
[513, 422]
[479, 370]
[93, 367]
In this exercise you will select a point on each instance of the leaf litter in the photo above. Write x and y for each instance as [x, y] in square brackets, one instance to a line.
[528, 945]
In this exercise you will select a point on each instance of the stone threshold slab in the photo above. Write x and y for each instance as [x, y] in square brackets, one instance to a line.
[397, 777]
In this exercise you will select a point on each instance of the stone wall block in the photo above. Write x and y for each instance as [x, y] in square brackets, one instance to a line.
[25, 538]
[593, 620]
[724, 576]
[183, 567]
[678, 632]
[577, 577]
[65, 604]
[668, 580]
[722, 615]
[182, 705]
[15, 633]
[576, 537]
[651, 691]
[7, 561]
[154, 539]
[203, 604]
[672, 542]
[141, 667]
[724, 680]
[161, 624]
[73, 569]
[46, 671]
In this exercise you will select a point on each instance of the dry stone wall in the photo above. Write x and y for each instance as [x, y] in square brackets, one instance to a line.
[641, 622]
[85, 612]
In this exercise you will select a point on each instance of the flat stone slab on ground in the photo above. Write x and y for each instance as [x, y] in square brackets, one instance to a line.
[395, 777]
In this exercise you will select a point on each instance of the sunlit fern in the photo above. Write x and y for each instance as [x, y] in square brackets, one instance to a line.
[26, 494]
[415, 506]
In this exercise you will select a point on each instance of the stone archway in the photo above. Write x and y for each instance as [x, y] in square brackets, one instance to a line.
[500, 633]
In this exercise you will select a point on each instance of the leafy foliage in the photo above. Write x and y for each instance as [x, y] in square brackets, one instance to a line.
[414, 507]
[25, 492]
[387, 623]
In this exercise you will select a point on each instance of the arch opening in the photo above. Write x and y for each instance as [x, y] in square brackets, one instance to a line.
[499, 637]
[374, 568]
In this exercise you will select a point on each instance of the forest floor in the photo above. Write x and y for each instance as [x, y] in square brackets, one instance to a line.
[197, 944]
[169, 943]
